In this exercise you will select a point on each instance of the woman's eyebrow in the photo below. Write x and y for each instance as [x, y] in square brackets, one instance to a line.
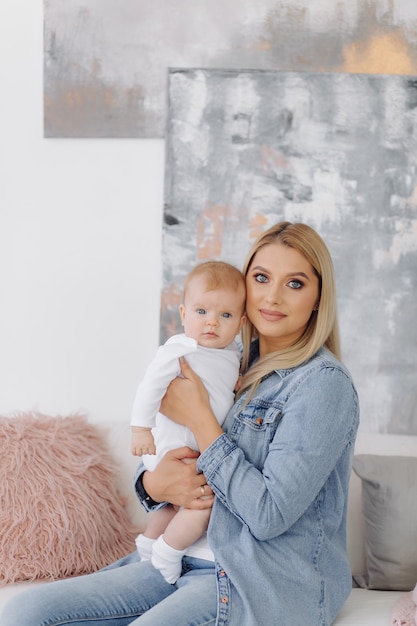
[259, 268]
[298, 274]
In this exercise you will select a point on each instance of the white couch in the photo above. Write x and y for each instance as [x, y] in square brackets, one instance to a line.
[363, 607]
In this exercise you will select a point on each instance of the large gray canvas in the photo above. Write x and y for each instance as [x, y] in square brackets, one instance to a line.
[105, 61]
[248, 148]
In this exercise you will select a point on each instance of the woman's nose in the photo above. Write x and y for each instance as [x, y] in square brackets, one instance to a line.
[274, 294]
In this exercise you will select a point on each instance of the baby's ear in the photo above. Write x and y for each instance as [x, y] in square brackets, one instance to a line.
[182, 313]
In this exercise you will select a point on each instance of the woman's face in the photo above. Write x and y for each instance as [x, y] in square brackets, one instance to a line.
[282, 292]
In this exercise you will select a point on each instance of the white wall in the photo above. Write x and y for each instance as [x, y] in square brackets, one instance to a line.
[80, 230]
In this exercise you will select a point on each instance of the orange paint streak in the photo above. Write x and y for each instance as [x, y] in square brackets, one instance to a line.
[210, 229]
[73, 99]
[109, 99]
[383, 53]
[257, 226]
[261, 46]
[171, 298]
[270, 158]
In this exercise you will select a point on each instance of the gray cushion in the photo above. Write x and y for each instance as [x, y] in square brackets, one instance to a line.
[389, 505]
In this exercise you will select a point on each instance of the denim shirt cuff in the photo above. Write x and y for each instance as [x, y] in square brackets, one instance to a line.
[212, 457]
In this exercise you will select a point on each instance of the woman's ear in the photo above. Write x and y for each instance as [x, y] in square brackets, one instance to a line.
[182, 313]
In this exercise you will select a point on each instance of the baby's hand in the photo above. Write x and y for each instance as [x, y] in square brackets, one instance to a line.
[142, 441]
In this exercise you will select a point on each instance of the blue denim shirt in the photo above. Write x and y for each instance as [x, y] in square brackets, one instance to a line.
[280, 473]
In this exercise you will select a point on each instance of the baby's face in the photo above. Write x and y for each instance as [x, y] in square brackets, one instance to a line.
[212, 317]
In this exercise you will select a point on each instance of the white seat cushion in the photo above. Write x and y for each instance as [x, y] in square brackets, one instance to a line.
[368, 608]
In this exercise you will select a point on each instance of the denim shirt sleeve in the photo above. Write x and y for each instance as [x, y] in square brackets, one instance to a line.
[319, 419]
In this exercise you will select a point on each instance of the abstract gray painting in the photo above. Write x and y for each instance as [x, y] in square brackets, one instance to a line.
[246, 149]
[105, 61]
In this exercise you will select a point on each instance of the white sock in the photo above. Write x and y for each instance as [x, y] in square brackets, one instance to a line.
[167, 560]
[144, 547]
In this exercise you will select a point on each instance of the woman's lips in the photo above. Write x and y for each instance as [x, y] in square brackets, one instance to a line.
[271, 316]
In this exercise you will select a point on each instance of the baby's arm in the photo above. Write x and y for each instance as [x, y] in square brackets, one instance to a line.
[142, 441]
[163, 368]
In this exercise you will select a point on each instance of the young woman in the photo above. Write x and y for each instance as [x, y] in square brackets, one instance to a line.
[279, 471]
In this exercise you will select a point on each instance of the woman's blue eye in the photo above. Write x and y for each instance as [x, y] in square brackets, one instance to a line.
[261, 278]
[295, 284]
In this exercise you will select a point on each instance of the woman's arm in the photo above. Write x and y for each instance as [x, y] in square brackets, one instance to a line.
[187, 402]
[269, 488]
[316, 425]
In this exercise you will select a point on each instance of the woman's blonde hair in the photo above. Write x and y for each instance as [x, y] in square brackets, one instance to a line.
[322, 328]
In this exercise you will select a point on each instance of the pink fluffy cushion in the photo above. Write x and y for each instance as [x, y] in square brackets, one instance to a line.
[404, 610]
[414, 594]
[60, 512]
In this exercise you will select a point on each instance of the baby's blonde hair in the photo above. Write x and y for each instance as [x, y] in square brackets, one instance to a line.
[322, 327]
[218, 275]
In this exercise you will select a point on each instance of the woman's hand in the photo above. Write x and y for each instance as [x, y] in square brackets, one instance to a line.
[187, 402]
[185, 396]
[175, 480]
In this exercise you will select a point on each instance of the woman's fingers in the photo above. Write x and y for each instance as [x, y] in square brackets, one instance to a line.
[175, 479]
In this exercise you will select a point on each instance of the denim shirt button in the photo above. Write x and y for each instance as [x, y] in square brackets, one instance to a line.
[259, 420]
[225, 600]
[222, 572]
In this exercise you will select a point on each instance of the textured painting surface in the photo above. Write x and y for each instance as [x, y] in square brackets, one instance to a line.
[246, 149]
[105, 61]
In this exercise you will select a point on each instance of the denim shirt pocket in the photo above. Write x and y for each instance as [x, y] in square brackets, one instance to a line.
[254, 427]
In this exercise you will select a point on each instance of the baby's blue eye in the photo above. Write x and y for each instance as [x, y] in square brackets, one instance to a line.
[226, 315]
[201, 311]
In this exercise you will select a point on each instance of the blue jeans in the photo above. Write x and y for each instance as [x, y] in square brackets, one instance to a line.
[126, 592]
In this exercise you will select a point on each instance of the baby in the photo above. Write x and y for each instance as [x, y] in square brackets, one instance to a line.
[212, 315]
